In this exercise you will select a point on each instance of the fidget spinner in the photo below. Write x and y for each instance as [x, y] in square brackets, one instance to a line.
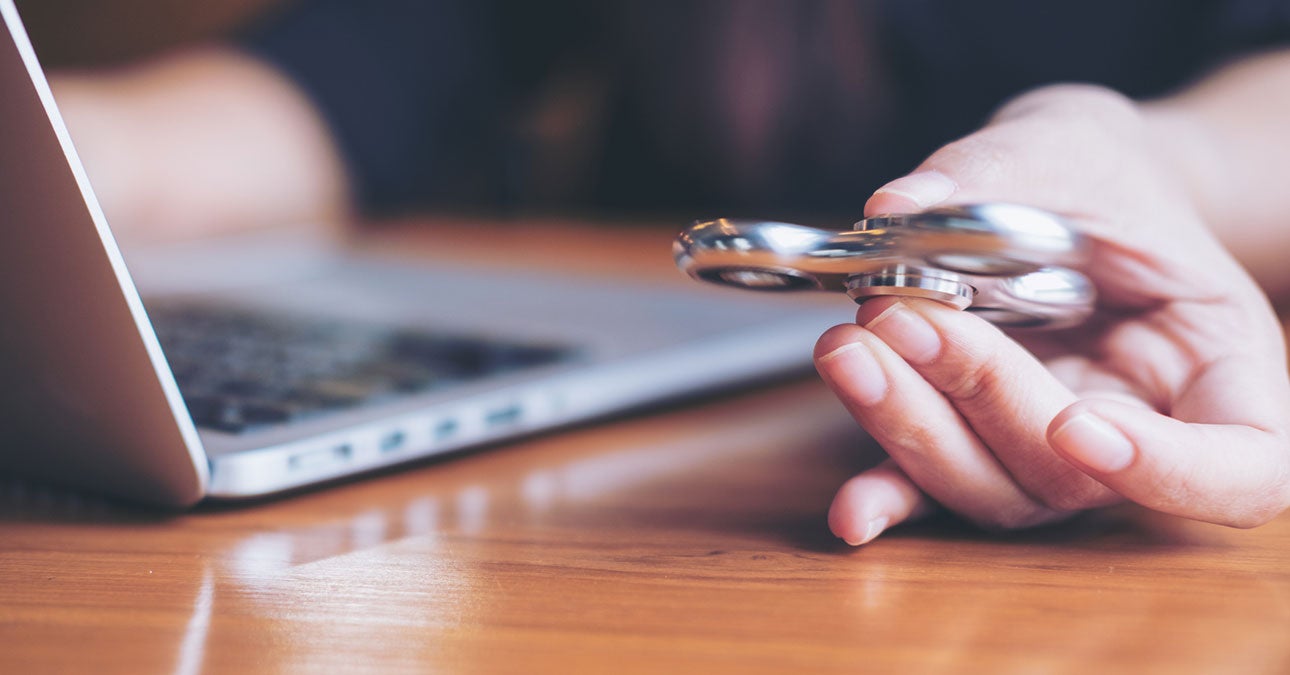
[1016, 266]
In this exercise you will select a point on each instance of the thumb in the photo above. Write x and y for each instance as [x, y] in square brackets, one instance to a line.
[1080, 151]
[1049, 148]
[1231, 474]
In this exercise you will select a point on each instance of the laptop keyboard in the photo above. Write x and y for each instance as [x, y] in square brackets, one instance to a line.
[240, 371]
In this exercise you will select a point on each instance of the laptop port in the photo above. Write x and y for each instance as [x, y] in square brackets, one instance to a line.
[320, 458]
[393, 441]
[445, 429]
[504, 416]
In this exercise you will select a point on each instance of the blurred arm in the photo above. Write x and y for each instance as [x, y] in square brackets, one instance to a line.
[202, 142]
[1229, 137]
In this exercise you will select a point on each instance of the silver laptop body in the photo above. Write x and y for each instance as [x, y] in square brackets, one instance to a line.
[95, 394]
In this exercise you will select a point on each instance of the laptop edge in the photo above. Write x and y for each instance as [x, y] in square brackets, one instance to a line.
[130, 432]
[92, 402]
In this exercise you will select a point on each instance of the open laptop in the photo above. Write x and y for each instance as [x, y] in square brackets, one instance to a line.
[238, 371]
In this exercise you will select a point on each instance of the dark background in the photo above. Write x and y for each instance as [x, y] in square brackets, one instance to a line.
[71, 33]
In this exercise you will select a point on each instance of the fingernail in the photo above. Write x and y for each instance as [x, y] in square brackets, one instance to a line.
[853, 370]
[924, 188]
[873, 529]
[1093, 442]
[907, 332]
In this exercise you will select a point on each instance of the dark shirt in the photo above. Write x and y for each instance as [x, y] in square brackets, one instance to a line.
[712, 106]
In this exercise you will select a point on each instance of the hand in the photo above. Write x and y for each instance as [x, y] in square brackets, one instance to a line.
[1174, 395]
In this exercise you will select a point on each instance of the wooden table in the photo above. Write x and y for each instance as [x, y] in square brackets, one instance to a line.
[689, 538]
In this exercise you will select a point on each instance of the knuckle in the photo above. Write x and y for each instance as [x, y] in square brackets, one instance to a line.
[979, 159]
[972, 381]
[1173, 488]
[1088, 101]
[1258, 511]
[1179, 488]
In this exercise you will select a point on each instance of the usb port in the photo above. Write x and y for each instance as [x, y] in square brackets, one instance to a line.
[317, 459]
[445, 429]
[393, 441]
[504, 416]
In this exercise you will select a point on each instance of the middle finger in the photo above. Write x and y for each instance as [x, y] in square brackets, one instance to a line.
[921, 430]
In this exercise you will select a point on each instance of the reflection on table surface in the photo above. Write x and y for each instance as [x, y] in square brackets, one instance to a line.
[689, 538]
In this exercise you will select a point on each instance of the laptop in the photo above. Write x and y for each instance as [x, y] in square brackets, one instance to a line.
[243, 369]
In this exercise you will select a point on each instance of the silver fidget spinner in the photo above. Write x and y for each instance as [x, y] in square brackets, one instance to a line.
[1014, 265]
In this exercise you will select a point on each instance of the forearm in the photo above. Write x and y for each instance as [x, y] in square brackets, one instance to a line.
[202, 142]
[1228, 136]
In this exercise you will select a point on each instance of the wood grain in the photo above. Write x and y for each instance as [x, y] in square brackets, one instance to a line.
[686, 538]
